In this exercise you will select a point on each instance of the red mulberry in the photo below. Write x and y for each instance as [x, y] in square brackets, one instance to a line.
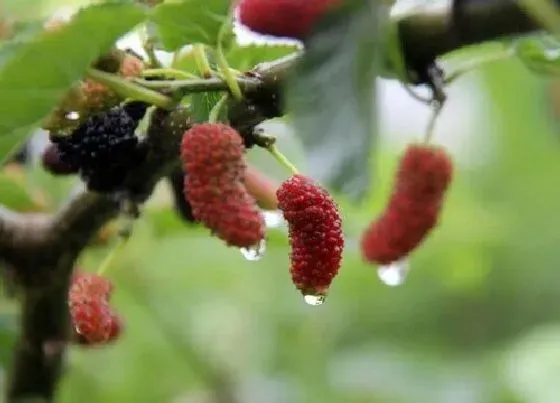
[423, 177]
[212, 156]
[93, 320]
[283, 18]
[315, 229]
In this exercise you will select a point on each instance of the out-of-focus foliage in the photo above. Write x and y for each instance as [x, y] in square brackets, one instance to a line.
[476, 321]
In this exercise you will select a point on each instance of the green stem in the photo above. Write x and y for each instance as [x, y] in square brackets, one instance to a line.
[223, 65]
[215, 112]
[281, 158]
[198, 85]
[169, 72]
[202, 61]
[438, 106]
[128, 89]
[110, 258]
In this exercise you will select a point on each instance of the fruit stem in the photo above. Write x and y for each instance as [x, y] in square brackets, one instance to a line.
[202, 61]
[222, 62]
[169, 72]
[128, 89]
[121, 243]
[215, 112]
[436, 111]
[281, 158]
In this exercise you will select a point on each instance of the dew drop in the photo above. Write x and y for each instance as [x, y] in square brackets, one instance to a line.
[254, 253]
[314, 300]
[394, 274]
[73, 115]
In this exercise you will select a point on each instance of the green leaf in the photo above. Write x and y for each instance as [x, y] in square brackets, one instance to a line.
[14, 194]
[203, 103]
[38, 74]
[539, 54]
[246, 57]
[191, 21]
[331, 95]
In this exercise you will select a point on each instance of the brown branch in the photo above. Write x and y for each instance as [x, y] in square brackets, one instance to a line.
[42, 251]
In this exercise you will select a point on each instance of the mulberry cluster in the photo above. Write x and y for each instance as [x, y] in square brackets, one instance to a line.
[212, 156]
[315, 230]
[104, 147]
[423, 176]
[283, 18]
[93, 320]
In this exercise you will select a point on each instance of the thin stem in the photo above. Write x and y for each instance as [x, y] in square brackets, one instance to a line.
[223, 65]
[437, 108]
[110, 258]
[215, 112]
[202, 61]
[199, 84]
[281, 158]
[169, 72]
[478, 63]
[128, 89]
[415, 95]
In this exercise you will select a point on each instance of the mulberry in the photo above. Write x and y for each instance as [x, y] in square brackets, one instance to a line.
[93, 320]
[423, 177]
[315, 230]
[52, 163]
[104, 147]
[283, 18]
[212, 155]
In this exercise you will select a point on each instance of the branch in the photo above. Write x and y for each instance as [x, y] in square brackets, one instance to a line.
[46, 256]
[42, 249]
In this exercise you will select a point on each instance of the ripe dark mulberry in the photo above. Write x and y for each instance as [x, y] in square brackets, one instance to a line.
[182, 205]
[283, 18]
[212, 156]
[104, 148]
[52, 162]
[423, 177]
[315, 230]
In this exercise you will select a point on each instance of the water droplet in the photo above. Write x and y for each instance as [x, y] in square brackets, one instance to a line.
[73, 115]
[254, 253]
[314, 300]
[394, 274]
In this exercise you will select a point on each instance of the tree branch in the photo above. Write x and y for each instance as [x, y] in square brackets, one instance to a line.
[41, 250]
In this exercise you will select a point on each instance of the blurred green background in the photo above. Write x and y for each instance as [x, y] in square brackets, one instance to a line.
[476, 321]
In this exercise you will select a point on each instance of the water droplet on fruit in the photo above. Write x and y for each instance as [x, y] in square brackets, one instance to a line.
[254, 253]
[73, 115]
[394, 274]
[314, 300]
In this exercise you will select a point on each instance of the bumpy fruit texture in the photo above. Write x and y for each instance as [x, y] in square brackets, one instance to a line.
[93, 320]
[52, 163]
[212, 156]
[423, 177]
[315, 230]
[104, 148]
[283, 18]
